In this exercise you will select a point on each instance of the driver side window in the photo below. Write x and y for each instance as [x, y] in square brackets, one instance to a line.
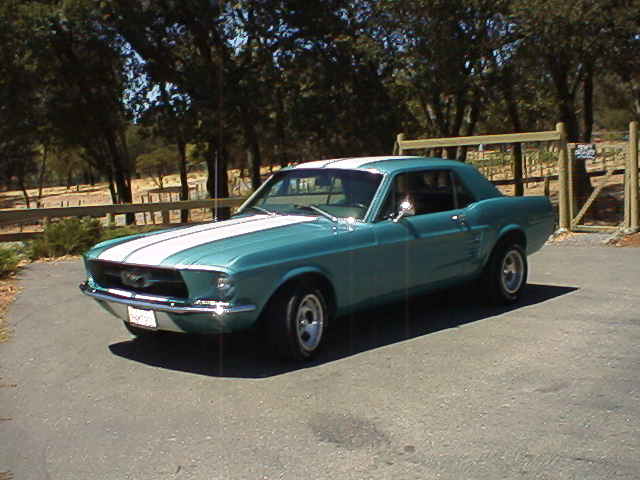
[429, 191]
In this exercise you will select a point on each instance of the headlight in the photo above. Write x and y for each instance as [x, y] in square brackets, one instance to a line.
[223, 286]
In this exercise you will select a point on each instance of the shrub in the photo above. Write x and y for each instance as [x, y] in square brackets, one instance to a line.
[9, 259]
[111, 233]
[70, 236]
[115, 232]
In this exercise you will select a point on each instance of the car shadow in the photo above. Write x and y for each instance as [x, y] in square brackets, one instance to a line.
[243, 355]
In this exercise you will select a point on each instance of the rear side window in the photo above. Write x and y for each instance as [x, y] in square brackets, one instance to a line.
[429, 191]
[462, 194]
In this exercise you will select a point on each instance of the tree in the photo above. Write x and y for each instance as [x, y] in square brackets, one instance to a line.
[169, 117]
[572, 41]
[158, 164]
[257, 73]
[184, 44]
[81, 79]
[20, 106]
[443, 53]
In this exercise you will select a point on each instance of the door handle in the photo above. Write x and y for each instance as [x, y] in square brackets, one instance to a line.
[461, 219]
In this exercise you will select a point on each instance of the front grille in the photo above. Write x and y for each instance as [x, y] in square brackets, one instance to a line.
[164, 282]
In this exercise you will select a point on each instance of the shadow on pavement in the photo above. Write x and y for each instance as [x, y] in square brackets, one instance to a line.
[242, 355]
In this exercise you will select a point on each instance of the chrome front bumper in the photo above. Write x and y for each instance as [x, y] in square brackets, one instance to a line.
[162, 304]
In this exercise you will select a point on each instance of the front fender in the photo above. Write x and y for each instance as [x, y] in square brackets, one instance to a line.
[303, 270]
[282, 277]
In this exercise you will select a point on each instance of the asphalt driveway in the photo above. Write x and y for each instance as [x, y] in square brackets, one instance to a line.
[435, 388]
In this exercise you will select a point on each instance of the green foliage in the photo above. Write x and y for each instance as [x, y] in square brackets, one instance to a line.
[71, 236]
[10, 257]
[268, 82]
[116, 232]
[158, 164]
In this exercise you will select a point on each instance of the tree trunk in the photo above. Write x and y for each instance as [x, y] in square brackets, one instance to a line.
[635, 94]
[43, 166]
[587, 101]
[565, 98]
[253, 162]
[24, 190]
[69, 177]
[217, 179]
[281, 138]
[254, 156]
[517, 169]
[474, 114]
[121, 175]
[112, 188]
[514, 115]
[184, 181]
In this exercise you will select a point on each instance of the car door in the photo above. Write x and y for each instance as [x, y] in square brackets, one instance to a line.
[429, 249]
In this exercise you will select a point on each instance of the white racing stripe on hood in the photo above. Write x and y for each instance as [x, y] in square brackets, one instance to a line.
[121, 251]
[154, 254]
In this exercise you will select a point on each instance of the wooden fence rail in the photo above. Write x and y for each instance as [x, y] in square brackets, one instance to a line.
[32, 215]
[404, 145]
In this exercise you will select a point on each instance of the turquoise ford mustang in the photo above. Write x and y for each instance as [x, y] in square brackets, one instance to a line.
[318, 241]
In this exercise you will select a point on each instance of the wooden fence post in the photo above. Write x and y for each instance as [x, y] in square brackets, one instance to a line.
[626, 224]
[573, 199]
[563, 179]
[397, 149]
[632, 169]
[547, 186]
[165, 213]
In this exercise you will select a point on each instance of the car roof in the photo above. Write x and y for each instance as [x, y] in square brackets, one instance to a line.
[388, 164]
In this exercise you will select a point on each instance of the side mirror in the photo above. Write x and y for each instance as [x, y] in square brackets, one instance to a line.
[406, 210]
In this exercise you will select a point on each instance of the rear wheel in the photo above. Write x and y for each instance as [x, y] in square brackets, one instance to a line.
[505, 275]
[296, 321]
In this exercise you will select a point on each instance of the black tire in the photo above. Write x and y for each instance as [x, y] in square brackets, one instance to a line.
[296, 320]
[505, 275]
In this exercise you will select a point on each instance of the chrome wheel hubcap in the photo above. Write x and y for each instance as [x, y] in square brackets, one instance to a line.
[512, 271]
[310, 322]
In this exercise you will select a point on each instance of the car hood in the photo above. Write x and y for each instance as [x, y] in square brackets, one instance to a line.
[219, 244]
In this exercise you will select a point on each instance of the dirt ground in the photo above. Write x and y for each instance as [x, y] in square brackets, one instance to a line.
[8, 292]
[142, 189]
[632, 240]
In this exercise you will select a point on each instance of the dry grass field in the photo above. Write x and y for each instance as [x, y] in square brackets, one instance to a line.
[144, 190]
[607, 210]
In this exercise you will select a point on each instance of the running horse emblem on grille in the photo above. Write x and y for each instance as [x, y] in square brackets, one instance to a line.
[136, 278]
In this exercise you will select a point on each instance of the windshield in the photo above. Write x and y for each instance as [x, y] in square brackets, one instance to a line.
[339, 193]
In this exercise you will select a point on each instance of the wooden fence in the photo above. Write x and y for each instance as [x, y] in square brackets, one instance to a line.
[565, 209]
[33, 215]
[568, 220]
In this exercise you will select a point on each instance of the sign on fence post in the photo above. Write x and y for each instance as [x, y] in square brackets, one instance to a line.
[586, 151]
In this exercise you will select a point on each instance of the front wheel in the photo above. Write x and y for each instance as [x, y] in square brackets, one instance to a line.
[505, 275]
[296, 319]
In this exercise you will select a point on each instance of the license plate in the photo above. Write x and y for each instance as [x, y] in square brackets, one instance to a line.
[143, 318]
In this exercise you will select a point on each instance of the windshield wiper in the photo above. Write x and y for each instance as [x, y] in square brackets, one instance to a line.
[317, 210]
[262, 210]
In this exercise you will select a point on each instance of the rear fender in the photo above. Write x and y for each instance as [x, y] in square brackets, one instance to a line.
[510, 232]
